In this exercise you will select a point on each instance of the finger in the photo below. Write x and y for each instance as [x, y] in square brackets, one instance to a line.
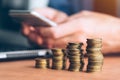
[34, 37]
[52, 14]
[48, 42]
[32, 29]
[39, 40]
[62, 29]
[25, 29]
[45, 32]
[77, 38]
[60, 17]
[80, 14]
[47, 12]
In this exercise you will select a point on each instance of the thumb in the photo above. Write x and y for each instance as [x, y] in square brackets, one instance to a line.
[53, 14]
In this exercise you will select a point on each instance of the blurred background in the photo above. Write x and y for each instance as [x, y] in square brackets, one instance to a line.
[10, 35]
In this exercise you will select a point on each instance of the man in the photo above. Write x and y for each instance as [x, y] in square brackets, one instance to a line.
[75, 28]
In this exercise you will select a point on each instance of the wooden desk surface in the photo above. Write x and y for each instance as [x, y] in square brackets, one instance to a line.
[24, 70]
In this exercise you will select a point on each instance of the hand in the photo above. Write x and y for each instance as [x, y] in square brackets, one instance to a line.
[81, 26]
[88, 24]
[52, 14]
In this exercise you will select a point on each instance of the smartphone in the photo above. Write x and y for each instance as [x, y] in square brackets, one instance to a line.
[31, 17]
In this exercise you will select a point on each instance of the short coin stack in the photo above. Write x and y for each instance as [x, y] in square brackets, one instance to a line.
[48, 63]
[95, 56]
[74, 56]
[57, 60]
[41, 63]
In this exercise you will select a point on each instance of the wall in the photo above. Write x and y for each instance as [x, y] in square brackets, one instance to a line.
[106, 6]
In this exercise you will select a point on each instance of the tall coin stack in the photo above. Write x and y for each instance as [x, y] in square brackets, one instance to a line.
[57, 60]
[81, 57]
[41, 63]
[74, 56]
[95, 56]
[82, 60]
[64, 59]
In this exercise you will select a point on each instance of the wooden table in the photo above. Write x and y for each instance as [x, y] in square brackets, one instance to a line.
[24, 70]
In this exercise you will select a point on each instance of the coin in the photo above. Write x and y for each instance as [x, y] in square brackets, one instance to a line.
[41, 63]
[95, 56]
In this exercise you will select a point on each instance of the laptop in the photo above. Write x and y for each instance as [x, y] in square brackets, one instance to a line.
[15, 46]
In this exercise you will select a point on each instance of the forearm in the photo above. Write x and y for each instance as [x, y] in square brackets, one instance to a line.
[111, 41]
[110, 34]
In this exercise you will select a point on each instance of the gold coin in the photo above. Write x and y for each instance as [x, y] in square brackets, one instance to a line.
[95, 40]
[95, 56]
[56, 50]
[74, 64]
[94, 67]
[57, 63]
[94, 45]
[74, 70]
[57, 68]
[91, 70]
[74, 61]
[73, 50]
[58, 54]
[40, 60]
[95, 63]
[92, 50]
[41, 67]
[57, 58]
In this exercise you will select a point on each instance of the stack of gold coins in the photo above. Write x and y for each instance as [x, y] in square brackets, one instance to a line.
[74, 59]
[74, 56]
[48, 63]
[57, 60]
[95, 56]
[64, 59]
[41, 63]
[82, 60]
[81, 57]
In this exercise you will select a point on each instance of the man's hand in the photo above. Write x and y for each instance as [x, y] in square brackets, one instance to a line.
[52, 14]
[79, 27]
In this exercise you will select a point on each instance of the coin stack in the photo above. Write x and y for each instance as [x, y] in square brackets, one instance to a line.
[48, 63]
[81, 57]
[82, 60]
[74, 56]
[95, 56]
[64, 59]
[41, 63]
[57, 60]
